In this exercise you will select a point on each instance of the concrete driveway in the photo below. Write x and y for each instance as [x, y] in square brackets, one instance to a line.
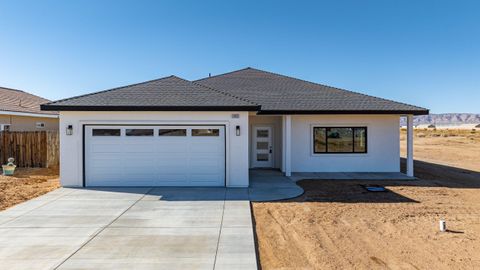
[130, 228]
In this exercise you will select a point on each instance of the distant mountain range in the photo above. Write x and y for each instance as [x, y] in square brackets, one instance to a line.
[444, 119]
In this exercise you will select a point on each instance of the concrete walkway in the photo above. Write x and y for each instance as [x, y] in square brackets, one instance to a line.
[271, 185]
[129, 228]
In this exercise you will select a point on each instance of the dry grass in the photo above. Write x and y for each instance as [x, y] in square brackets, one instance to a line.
[338, 225]
[27, 183]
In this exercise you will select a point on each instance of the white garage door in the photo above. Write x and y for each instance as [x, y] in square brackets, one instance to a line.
[154, 155]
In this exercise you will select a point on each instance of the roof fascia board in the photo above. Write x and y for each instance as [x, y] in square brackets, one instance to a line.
[400, 112]
[28, 114]
[47, 107]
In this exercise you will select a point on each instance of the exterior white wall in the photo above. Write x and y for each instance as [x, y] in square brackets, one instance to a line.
[383, 144]
[71, 147]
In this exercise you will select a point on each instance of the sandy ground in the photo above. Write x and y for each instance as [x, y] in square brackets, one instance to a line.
[339, 225]
[457, 148]
[27, 183]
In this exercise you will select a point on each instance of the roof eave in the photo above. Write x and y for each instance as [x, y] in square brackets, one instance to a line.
[29, 114]
[401, 112]
[51, 107]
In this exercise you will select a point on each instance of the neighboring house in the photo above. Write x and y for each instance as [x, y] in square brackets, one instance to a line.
[210, 132]
[20, 111]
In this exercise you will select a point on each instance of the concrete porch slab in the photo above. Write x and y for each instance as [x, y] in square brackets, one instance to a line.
[351, 176]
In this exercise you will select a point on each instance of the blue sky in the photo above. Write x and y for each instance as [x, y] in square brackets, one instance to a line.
[425, 53]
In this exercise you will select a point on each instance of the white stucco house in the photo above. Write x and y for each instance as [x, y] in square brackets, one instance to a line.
[211, 132]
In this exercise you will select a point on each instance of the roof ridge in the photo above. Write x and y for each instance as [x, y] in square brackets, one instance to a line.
[226, 73]
[218, 91]
[12, 89]
[224, 93]
[337, 88]
[108, 90]
[22, 91]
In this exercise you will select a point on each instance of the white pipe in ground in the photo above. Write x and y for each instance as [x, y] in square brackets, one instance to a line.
[443, 226]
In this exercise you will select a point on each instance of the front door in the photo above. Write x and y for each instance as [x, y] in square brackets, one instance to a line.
[262, 147]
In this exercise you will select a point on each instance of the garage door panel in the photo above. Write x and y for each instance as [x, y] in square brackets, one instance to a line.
[211, 165]
[184, 160]
[170, 170]
[108, 163]
[166, 157]
[107, 177]
[202, 147]
[107, 147]
[172, 147]
[172, 179]
[139, 157]
[144, 147]
[205, 178]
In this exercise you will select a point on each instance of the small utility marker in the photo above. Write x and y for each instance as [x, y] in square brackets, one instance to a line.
[443, 226]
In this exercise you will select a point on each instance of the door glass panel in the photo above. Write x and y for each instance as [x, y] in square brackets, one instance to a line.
[262, 145]
[105, 132]
[262, 157]
[205, 132]
[262, 133]
[172, 132]
[139, 132]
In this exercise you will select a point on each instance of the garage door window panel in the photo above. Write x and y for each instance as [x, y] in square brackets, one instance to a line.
[172, 132]
[139, 132]
[105, 132]
[207, 132]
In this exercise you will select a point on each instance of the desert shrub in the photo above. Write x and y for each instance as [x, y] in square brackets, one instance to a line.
[421, 135]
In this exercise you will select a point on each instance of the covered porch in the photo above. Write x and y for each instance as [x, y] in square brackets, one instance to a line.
[274, 141]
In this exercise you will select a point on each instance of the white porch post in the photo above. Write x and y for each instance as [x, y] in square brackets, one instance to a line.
[283, 143]
[410, 145]
[288, 145]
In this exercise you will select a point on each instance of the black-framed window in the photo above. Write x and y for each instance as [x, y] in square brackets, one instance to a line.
[337, 140]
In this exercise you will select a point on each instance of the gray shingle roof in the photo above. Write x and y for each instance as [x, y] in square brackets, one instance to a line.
[169, 93]
[281, 94]
[13, 100]
[246, 89]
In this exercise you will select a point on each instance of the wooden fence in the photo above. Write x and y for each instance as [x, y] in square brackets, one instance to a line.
[30, 148]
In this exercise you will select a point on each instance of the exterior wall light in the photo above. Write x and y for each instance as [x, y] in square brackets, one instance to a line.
[69, 130]
[237, 130]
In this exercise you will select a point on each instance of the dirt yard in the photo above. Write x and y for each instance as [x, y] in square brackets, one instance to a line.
[457, 148]
[339, 225]
[26, 184]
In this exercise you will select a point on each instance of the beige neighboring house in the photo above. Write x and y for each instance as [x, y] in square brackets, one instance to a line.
[20, 111]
